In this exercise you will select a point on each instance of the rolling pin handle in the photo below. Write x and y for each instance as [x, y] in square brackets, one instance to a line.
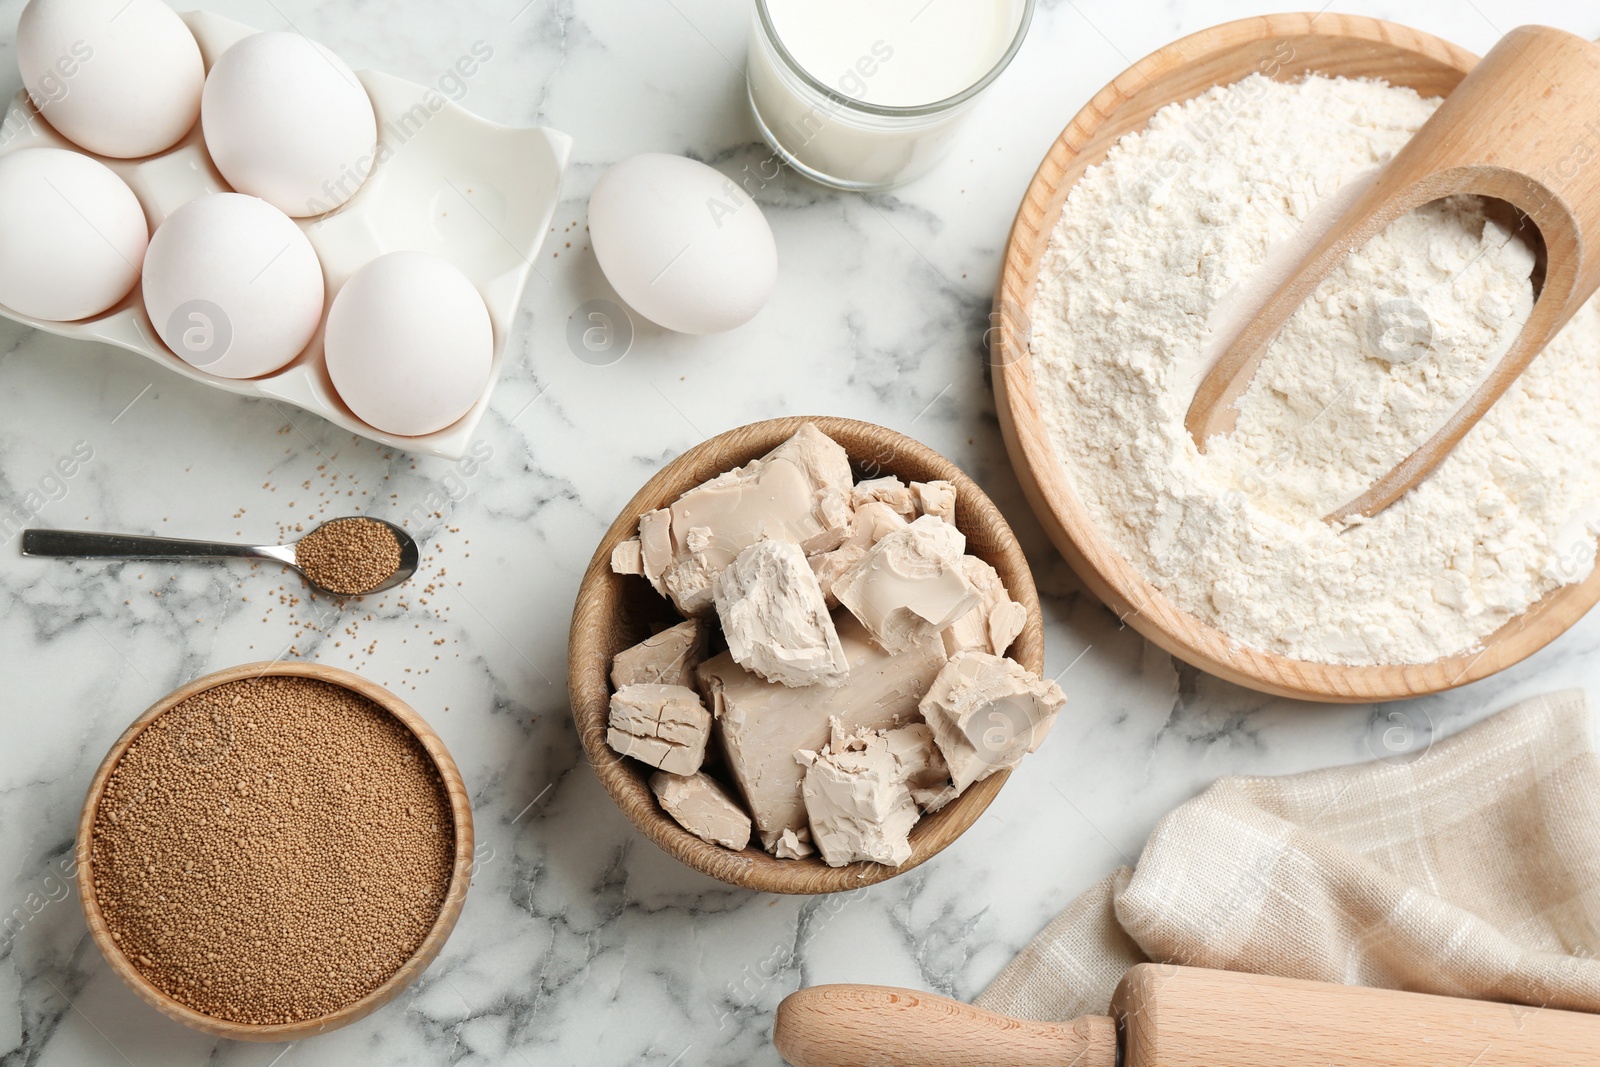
[879, 1026]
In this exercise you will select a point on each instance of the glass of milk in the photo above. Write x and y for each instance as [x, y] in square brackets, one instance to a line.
[867, 94]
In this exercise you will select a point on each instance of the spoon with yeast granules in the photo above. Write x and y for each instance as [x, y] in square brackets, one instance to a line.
[350, 556]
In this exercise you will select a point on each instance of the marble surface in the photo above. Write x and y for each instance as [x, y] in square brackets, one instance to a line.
[581, 942]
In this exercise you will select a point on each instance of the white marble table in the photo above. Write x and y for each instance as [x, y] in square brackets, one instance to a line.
[581, 942]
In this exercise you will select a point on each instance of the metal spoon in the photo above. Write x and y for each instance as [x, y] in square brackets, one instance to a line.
[82, 545]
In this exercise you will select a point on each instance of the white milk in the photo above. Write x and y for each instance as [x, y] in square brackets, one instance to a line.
[902, 72]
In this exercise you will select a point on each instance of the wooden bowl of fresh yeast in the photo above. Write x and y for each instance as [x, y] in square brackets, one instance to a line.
[1284, 47]
[616, 611]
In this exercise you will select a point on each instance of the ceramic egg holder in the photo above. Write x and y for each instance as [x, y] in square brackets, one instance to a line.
[473, 192]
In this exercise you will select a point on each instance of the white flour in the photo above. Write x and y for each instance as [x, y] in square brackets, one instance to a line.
[1157, 251]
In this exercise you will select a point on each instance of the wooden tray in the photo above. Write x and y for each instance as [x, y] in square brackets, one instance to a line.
[1284, 47]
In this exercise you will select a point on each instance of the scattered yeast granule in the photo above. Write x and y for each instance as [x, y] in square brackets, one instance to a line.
[350, 556]
[272, 849]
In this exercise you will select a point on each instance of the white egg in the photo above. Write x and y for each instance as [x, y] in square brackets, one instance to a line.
[232, 285]
[287, 120]
[682, 243]
[72, 235]
[119, 77]
[409, 343]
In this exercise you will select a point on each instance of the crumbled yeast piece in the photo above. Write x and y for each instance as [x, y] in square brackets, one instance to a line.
[761, 725]
[702, 807]
[889, 490]
[931, 800]
[775, 619]
[829, 565]
[797, 492]
[867, 526]
[628, 557]
[936, 498]
[986, 713]
[910, 585]
[921, 765]
[655, 546]
[668, 658]
[665, 726]
[794, 845]
[836, 515]
[857, 800]
[997, 620]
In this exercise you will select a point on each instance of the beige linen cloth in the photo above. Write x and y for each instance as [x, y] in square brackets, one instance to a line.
[1472, 871]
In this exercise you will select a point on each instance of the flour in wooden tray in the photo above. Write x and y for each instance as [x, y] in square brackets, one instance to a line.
[1184, 227]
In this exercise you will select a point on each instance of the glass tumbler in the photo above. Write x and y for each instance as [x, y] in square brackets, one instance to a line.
[844, 142]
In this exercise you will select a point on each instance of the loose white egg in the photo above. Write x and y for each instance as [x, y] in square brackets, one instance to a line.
[409, 343]
[72, 235]
[232, 285]
[682, 243]
[287, 120]
[119, 77]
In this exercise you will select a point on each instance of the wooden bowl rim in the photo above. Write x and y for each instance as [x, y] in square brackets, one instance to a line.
[588, 674]
[1113, 579]
[449, 909]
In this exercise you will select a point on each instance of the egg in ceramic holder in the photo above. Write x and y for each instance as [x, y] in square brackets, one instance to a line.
[477, 194]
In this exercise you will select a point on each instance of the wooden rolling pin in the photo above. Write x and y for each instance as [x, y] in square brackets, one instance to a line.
[1517, 129]
[1165, 1016]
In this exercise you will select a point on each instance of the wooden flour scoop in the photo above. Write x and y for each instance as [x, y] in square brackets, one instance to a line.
[1519, 128]
[1165, 1016]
